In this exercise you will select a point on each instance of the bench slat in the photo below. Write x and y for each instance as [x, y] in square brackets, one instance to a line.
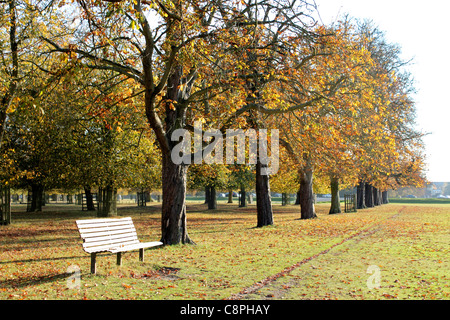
[102, 220]
[140, 245]
[107, 233]
[113, 239]
[105, 248]
[110, 242]
[104, 227]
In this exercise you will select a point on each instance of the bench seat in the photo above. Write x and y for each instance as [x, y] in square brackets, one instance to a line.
[111, 235]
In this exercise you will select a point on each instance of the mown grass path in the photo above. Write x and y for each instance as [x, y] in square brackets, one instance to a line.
[270, 280]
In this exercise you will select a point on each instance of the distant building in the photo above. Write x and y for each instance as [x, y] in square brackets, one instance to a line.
[433, 189]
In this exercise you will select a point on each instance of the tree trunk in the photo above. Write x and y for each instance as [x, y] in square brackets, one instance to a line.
[297, 200]
[242, 197]
[173, 211]
[335, 201]
[360, 194]
[230, 196]
[385, 197]
[369, 195]
[89, 199]
[376, 197]
[307, 208]
[284, 199]
[37, 195]
[173, 220]
[13, 86]
[207, 194]
[249, 198]
[5, 205]
[263, 200]
[107, 202]
[212, 201]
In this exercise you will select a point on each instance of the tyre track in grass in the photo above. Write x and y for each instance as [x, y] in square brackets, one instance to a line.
[265, 282]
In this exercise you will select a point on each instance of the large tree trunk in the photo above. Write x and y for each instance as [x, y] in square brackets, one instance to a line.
[89, 198]
[107, 202]
[384, 197]
[173, 220]
[307, 208]
[369, 195]
[37, 197]
[263, 200]
[212, 201]
[360, 194]
[335, 201]
[173, 211]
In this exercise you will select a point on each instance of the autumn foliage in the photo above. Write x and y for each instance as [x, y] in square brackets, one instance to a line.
[108, 82]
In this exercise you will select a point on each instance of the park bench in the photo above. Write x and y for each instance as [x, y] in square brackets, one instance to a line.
[111, 235]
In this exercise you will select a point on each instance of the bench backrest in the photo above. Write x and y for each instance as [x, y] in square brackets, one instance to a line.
[102, 234]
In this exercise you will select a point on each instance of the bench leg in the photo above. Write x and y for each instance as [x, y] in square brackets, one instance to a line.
[119, 258]
[141, 254]
[93, 263]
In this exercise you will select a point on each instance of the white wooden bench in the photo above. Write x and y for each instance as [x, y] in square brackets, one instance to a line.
[111, 235]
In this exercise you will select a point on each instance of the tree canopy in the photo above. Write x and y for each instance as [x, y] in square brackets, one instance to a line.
[92, 91]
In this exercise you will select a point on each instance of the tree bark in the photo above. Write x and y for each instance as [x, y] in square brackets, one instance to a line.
[335, 201]
[173, 211]
[360, 194]
[384, 197]
[207, 194]
[212, 201]
[5, 205]
[230, 196]
[376, 197]
[37, 192]
[369, 195]
[89, 199]
[307, 209]
[297, 200]
[107, 202]
[284, 199]
[263, 200]
[173, 220]
[242, 197]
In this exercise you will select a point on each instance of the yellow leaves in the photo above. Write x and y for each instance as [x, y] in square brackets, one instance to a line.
[130, 62]
[170, 105]
[13, 105]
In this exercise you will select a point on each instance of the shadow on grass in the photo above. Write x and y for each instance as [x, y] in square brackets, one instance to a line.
[30, 281]
[43, 259]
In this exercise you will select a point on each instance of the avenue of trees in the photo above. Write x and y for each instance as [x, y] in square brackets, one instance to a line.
[91, 92]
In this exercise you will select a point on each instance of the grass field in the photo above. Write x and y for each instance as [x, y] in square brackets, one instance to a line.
[404, 245]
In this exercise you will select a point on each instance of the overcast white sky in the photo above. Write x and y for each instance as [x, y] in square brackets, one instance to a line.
[421, 29]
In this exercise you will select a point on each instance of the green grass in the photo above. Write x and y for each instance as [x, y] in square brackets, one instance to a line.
[419, 201]
[409, 244]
